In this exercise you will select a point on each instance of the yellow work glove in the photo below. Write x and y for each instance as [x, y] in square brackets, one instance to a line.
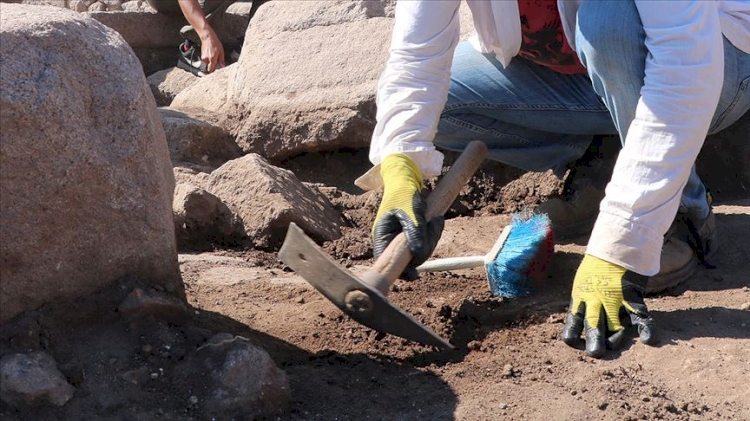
[403, 209]
[605, 298]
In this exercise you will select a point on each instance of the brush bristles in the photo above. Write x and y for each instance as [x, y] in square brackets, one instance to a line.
[524, 258]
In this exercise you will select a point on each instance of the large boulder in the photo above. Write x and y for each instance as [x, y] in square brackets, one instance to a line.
[85, 175]
[306, 78]
[191, 139]
[267, 198]
[167, 83]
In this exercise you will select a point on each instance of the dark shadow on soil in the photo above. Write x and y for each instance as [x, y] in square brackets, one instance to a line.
[126, 369]
[330, 168]
[730, 259]
[708, 322]
[353, 386]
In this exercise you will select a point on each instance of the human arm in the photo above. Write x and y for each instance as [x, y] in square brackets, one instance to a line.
[412, 92]
[683, 81]
[212, 51]
[682, 84]
[413, 89]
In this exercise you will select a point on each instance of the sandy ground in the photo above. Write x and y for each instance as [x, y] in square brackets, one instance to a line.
[508, 363]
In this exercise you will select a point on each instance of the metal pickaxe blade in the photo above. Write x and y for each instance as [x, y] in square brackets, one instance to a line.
[355, 298]
[364, 298]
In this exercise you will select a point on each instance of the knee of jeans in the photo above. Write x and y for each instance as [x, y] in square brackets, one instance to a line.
[609, 33]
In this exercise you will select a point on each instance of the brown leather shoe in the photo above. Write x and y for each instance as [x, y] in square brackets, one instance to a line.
[574, 213]
[678, 262]
[688, 243]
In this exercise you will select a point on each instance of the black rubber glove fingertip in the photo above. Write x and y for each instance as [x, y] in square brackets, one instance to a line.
[572, 329]
[410, 274]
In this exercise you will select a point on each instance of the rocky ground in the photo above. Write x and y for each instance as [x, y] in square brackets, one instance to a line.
[509, 362]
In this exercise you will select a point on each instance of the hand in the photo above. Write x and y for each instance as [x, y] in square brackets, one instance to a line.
[212, 52]
[604, 295]
[403, 209]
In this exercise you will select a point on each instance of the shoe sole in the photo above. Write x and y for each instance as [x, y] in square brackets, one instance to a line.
[660, 283]
[184, 66]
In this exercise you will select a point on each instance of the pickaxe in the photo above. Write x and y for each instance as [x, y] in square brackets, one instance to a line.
[364, 298]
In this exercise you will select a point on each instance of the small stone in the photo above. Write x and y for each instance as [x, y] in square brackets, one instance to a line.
[136, 376]
[193, 400]
[154, 376]
[508, 370]
[603, 405]
[147, 348]
[573, 392]
[301, 300]
[503, 406]
[33, 379]
[474, 345]
[555, 318]
[745, 306]
[445, 311]
[140, 303]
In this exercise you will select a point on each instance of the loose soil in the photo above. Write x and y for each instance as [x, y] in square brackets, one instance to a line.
[509, 362]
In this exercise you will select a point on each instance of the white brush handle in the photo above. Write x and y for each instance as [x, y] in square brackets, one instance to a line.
[466, 262]
[451, 263]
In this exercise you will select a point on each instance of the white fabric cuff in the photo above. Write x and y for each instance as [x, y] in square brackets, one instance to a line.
[634, 246]
[429, 161]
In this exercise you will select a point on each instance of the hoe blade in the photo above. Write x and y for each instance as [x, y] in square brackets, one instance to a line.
[301, 254]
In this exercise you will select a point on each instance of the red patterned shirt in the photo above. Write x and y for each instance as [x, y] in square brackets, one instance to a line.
[543, 40]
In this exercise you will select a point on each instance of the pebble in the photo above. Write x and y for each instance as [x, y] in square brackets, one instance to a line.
[474, 345]
[507, 370]
[503, 406]
[301, 300]
[603, 405]
[745, 306]
[555, 318]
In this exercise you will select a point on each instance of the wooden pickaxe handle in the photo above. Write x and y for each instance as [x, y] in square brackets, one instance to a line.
[396, 257]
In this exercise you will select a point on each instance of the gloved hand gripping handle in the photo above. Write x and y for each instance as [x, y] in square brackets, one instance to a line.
[397, 255]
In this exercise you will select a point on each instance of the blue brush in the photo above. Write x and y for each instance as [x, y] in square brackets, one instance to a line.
[518, 260]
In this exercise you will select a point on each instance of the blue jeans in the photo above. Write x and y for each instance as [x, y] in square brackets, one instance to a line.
[535, 119]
